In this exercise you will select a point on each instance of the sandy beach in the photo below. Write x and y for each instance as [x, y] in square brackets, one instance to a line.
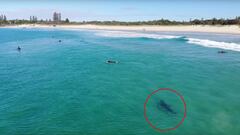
[230, 29]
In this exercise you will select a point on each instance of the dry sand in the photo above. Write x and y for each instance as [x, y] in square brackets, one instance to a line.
[230, 29]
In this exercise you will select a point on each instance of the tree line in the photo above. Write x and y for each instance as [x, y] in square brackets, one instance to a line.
[213, 21]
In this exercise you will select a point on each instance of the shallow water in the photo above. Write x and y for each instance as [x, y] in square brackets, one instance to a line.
[67, 88]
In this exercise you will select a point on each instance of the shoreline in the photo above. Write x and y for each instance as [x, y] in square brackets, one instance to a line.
[218, 29]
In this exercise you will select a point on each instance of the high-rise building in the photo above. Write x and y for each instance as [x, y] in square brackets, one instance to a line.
[59, 16]
[3, 18]
[33, 18]
[56, 17]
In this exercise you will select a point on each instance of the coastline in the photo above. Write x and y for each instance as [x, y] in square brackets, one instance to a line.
[228, 29]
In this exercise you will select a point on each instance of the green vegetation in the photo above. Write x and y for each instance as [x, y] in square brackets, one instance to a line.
[67, 20]
[213, 21]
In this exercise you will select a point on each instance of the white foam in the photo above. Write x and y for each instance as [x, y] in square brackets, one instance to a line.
[202, 42]
[214, 44]
[125, 34]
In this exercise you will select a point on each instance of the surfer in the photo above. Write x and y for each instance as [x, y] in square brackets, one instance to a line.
[222, 51]
[19, 48]
[164, 106]
[111, 62]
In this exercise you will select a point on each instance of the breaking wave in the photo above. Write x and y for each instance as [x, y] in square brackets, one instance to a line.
[124, 34]
[214, 44]
[202, 42]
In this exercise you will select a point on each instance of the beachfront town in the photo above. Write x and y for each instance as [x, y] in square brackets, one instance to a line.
[56, 18]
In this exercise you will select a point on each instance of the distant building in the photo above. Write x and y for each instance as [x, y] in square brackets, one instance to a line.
[3, 18]
[33, 18]
[56, 17]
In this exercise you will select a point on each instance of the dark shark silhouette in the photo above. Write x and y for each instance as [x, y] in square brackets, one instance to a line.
[162, 105]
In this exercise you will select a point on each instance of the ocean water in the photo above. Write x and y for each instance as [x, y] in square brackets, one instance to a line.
[67, 88]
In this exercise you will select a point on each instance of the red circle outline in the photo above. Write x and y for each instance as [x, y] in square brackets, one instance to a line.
[145, 109]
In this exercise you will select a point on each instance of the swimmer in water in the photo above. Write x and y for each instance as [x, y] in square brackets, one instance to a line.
[19, 48]
[111, 62]
[222, 51]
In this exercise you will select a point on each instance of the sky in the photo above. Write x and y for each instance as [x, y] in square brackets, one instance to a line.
[121, 10]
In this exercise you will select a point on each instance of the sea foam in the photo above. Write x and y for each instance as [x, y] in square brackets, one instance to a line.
[214, 44]
[125, 34]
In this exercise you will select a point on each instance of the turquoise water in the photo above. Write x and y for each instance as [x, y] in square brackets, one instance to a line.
[67, 88]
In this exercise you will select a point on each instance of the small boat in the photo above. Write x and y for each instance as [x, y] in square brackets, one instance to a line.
[59, 41]
[111, 62]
